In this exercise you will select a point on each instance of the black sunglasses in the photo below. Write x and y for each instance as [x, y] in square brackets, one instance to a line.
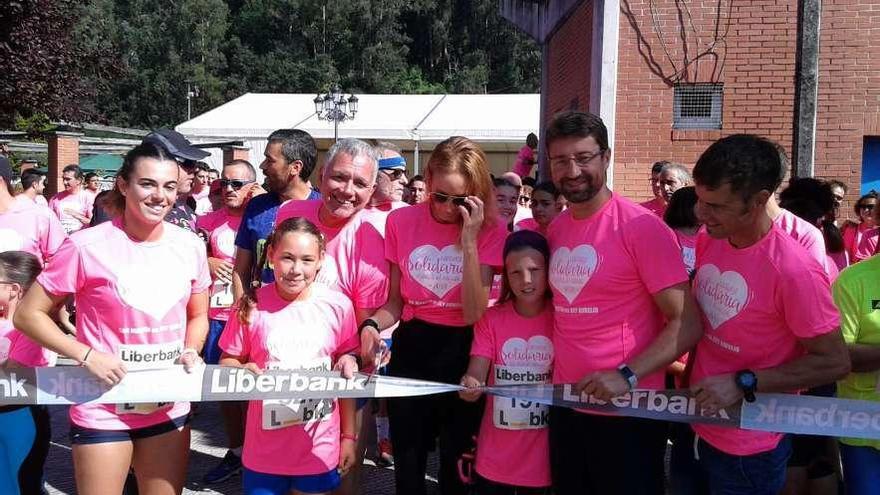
[394, 173]
[442, 198]
[865, 206]
[236, 184]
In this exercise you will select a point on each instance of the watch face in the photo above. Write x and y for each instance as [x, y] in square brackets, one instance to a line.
[747, 380]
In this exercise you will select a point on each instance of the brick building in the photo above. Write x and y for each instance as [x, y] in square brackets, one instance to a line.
[671, 76]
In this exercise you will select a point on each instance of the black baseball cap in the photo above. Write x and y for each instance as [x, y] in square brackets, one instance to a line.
[175, 144]
[5, 170]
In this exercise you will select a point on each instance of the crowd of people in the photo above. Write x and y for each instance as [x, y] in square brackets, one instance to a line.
[720, 284]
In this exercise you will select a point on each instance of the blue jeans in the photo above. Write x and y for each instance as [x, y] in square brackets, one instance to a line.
[759, 474]
[861, 469]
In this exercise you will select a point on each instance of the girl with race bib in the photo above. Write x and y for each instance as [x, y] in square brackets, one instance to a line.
[140, 287]
[513, 346]
[294, 445]
[443, 254]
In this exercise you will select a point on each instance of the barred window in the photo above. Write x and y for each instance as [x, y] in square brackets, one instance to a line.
[697, 106]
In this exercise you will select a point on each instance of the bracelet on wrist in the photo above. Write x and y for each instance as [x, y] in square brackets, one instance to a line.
[346, 436]
[86, 357]
[369, 322]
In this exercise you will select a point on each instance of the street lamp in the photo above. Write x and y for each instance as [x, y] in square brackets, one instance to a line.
[192, 91]
[336, 107]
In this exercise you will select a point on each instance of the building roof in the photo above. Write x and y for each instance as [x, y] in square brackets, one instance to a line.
[483, 118]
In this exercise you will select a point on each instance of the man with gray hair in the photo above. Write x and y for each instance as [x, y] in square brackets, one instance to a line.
[391, 180]
[673, 176]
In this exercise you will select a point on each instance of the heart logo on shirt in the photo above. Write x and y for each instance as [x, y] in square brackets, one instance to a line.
[154, 289]
[10, 240]
[721, 296]
[537, 351]
[571, 269]
[438, 270]
[328, 275]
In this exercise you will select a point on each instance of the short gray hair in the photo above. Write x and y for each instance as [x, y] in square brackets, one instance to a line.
[680, 170]
[353, 148]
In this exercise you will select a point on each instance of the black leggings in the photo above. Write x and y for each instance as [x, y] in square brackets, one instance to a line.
[437, 353]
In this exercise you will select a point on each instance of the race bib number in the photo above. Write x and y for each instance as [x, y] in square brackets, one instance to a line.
[518, 414]
[150, 356]
[144, 408]
[284, 413]
[221, 295]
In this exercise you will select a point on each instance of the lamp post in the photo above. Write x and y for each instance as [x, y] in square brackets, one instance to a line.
[192, 91]
[336, 107]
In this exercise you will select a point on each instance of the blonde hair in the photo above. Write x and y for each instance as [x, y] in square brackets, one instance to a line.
[461, 155]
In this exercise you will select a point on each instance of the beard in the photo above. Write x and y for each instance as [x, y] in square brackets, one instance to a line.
[577, 193]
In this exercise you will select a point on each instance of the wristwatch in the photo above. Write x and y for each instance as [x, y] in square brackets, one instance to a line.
[628, 375]
[747, 381]
[369, 322]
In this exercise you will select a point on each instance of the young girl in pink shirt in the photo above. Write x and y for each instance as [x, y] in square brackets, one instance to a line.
[513, 341]
[294, 446]
[140, 287]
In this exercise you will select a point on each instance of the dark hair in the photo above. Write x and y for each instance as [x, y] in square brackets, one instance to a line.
[30, 177]
[293, 224]
[204, 167]
[532, 140]
[812, 200]
[415, 178]
[547, 187]
[89, 176]
[502, 182]
[529, 181]
[19, 267]
[680, 211]
[872, 194]
[520, 241]
[748, 163]
[297, 145]
[77, 172]
[837, 183]
[115, 201]
[657, 167]
[243, 163]
[577, 124]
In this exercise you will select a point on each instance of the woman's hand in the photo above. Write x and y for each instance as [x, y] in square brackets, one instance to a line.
[347, 365]
[346, 455]
[470, 382]
[106, 367]
[190, 360]
[253, 368]
[471, 219]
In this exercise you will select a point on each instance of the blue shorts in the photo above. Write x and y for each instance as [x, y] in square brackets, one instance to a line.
[211, 352]
[80, 435]
[255, 483]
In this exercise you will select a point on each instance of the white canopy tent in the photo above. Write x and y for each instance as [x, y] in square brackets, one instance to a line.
[500, 123]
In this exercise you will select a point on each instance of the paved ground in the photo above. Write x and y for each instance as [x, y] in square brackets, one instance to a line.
[207, 450]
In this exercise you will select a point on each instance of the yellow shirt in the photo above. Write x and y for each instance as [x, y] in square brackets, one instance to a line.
[857, 296]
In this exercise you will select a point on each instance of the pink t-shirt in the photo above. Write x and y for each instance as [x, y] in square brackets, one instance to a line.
[131, 300]
[604, 271]
[806, 235]
[221, 228]
[81, 202]
[513, 444]
[27, 226]
[860, 241]
[525, 160]
[203, 206]
[687, 243]
[38, 199]
[430, 262]
[279, 436]
[756, 303]
[655, 206]
[527, 224]
[16, 346]
[354, 258]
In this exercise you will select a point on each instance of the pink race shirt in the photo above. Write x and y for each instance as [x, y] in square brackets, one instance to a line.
[655, 206]
[32, 228]
[430, 262]
[860, 241]
[527, 224]
[354, 259]
[514, 447]
[808, 236]
[525, 160]
[604, 271]
[15, 346]
[221, 228]
[293, 437]
[81, 202]
[756, 303]
[131, 300]
[687, 243]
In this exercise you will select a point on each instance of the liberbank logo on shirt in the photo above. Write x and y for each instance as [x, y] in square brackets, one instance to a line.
[571, 269]
[721, 295]
[438, 270]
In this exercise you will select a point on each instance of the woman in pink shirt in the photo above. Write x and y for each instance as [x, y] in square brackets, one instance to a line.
[442, 253]
[680, 217]
[513, 340]
[861, 238]
[140, 287]
[299, 445]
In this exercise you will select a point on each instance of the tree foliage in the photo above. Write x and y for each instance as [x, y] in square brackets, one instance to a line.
[133, 59]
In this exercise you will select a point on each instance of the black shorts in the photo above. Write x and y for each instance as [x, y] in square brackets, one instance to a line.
[80, 435]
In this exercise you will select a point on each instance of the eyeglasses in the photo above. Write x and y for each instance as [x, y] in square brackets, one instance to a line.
[838, 198]
[524, 200]
[581, 160]
[236, 184]
[394, 173]
[866, 206]
[443, 198]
